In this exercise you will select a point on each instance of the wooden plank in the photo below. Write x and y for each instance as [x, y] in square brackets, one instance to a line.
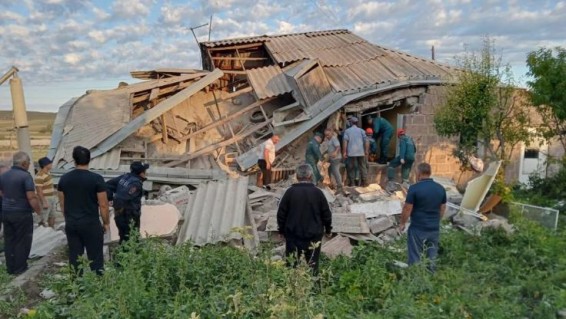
[210, 148]
[234, 47]
[228, 118]
[149, 85]
[154, 94]
[164, 135]
[234, 72]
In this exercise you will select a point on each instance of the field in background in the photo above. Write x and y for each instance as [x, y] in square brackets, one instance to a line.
[40, 126]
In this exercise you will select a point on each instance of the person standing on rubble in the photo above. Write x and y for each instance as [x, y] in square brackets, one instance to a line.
[382, 132]
[82, 194]
[126, 192]
[405, 159]
[425, 205]
[18, 202]
[266, 157]
[355, 150]
[334, 158]
[313, 156]
[46, 192]
[303, 217]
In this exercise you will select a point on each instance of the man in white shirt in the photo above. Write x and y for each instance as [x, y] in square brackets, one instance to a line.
[266, 157]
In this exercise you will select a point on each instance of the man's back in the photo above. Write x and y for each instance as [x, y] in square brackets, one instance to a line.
[80, 188]
[304, 212]
[426, 196]
[355, 137]
[14, 185]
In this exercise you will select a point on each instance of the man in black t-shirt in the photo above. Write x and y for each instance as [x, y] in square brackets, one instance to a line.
[81, 194]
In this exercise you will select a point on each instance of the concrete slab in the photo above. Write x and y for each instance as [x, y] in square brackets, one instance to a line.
[341, 223]
[380, 208]
[337, 246]
[156, 220]
[177, 196]
[380, 224]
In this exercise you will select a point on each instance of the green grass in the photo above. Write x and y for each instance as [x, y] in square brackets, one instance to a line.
[492, 276]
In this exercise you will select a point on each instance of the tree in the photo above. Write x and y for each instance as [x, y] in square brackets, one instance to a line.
[484, 108]
[547, 67]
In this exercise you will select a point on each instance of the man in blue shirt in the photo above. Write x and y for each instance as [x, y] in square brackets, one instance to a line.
[18, 201]
[355, 150]
[425, 204]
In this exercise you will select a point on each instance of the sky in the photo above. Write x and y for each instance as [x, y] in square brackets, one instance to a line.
[66, 47]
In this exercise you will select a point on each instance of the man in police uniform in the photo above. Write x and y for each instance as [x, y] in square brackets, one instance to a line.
[126, 192]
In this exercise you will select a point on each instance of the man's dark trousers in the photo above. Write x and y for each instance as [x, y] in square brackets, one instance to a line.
[265, 172]
[419, 243]
[297, 248]
[89, 236]
[18, 235]
[123, 221]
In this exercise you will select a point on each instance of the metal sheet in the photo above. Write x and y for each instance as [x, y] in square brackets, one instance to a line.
[107, 161]
[58, 126]
[268, 82]
[45, 239]
[214, 210]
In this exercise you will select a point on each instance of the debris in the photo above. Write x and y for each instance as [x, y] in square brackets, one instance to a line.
[156, 220]
[363, 237]
[280, 250]
[337, 246]
[380, 208]
[498, 223]
[45, 239]
[47, 294]
[328, 194]
[60, 264]
[400, 264]
[452, 193]
[368, 189]
[379, 224]
[177, 196]
[373, 196]
[478, 187]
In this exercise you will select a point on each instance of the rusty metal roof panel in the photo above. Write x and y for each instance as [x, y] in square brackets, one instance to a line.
[214, 210]
[268, 81]
[235, 41]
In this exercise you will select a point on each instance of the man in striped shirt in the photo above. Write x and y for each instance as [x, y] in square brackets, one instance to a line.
[46, 192]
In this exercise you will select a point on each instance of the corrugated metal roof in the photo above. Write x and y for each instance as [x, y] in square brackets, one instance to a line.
[93, 118]
[108, 161]
[214, 210]
[350, 62]
[268, 81]
[59, 125]
[158, 73]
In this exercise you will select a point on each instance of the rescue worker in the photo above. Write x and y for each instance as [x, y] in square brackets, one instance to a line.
[384, 130]
[313, 156]
[372, 144]
[266, 157]
[406, 158]
[355, 150]
[126, 192]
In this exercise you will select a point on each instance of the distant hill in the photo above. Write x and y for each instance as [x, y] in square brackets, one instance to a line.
[32, 116]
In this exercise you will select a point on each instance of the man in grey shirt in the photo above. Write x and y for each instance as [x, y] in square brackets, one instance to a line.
[355, 149]
[334, 157]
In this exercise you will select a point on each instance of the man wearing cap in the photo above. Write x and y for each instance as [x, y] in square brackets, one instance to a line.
[355, 150]
[126, 192]
[46, 192]
[372, 143]
[18, 202]
[313, 156]
[406, 158]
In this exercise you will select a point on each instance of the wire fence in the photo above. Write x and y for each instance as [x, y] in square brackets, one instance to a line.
[547, 217]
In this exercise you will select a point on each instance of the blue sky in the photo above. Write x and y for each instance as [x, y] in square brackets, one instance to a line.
[65, 47]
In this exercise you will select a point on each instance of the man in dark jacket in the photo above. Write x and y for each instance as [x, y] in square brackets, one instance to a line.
[303, 218]
[126, 192]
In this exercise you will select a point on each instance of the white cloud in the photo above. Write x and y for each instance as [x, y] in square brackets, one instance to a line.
[131, 8]
[72, 58]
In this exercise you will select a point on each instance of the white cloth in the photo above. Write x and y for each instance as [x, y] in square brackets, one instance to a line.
[270, 147]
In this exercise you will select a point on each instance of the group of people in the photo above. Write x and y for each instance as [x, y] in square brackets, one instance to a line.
[354, 152]
[83, 197]
[304, 218]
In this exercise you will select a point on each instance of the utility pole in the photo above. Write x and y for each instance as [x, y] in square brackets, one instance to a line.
[20, 113]
[432, 52]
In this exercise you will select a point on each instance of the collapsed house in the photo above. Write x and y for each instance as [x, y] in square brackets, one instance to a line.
[195, 125]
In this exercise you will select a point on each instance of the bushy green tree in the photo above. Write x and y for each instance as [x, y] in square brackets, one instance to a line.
[484, 107]
[547, 67]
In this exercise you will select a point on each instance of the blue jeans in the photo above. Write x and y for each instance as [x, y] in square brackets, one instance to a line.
[420, 242]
